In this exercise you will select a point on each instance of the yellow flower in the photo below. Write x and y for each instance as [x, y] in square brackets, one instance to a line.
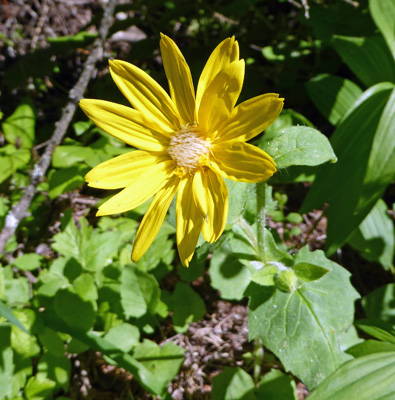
[188, 144]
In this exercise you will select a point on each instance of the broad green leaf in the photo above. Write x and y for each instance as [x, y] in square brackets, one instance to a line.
[28, 261]
[341, 184]
[6, 313]
[124, 336]
[378, 329]
[17, 291]
[370, 346]
[67, 156]
[304, 327]
[332, 95]
[93, 249]
[11, 159]
[300, 145]
[139, 292]
[39, 387]
[6, 361]
[55, 368]
[309, 272]
[383, 14]
[163, 362]
[369, 377]
[275, 386]
[19, 127]
[232, 384]
[369, 58]
[66, 179]
[380, 303]
[188, 307]
[73, 310]
[52, 341]
[237, 199]
[24, 343]
[375, 236]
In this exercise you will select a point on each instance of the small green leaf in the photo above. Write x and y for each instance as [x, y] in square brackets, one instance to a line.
[139, 292]
[369, 58]
[6, 361]
[380, 303]
[370, 346]
[12, 159]
[300, 146]
[67, 156]
[375, 236]
[275, 386]
[265, 276]
[6, 313]
[309, 272]
[66, 179]
[378, 329]
[383, 12]
[163, 362]
[237, 199]
[55, 368]
[24, 343]
[286, 281]
[332, 95]
[304, 327]
[232, 384]
[123, 336]
[369, 377]
[28, 261]
[188, 307]
[39, 387]
[19, 127]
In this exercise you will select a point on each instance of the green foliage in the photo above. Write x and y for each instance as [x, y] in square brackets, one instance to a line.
[68, 287]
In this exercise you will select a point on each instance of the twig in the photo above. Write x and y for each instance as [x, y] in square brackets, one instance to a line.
[20, 210]
[306, 9]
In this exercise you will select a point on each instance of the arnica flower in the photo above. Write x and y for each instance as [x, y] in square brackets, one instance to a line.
[187, 143]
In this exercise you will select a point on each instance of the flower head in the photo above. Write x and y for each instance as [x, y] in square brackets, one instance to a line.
[187, 143]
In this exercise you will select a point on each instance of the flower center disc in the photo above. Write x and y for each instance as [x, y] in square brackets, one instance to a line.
[189, 148]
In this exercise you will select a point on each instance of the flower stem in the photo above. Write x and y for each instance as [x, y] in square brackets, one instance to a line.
[261, 189]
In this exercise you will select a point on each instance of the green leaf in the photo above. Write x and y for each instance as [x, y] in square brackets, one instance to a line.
[275, 386]
[12, 159]
[139, 292]
[123, 336]
[66, 179]
[24, 343]
[19, 127]
[28, 261]
[375, 236]
[300, 145]
[369, 377]
[383, 13]
[309, 272]
[55, 368]
[342, 184]
[232, 384]
[378, 329]
[380, 303]
[67, 156]
[74, 310]
[369, 347]
[163, 362]
[39, 388]
[188, 307]
[6, 361]
[6, 313]
[304, 327]
[369, 58]
[237, 199]
[52, 341]
[332, 95]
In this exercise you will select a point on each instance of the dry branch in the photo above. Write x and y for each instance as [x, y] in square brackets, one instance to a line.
[20, 210]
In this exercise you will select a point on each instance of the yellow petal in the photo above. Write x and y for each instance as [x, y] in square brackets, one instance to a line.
[221, 96]
[189, 221]
[180, 79]
[242, 162]
[153, 218]
[211, 197]
[225, 53]
[140, 190]
[120, 171]
[124, 123]
[251, 117]
[145, 95]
